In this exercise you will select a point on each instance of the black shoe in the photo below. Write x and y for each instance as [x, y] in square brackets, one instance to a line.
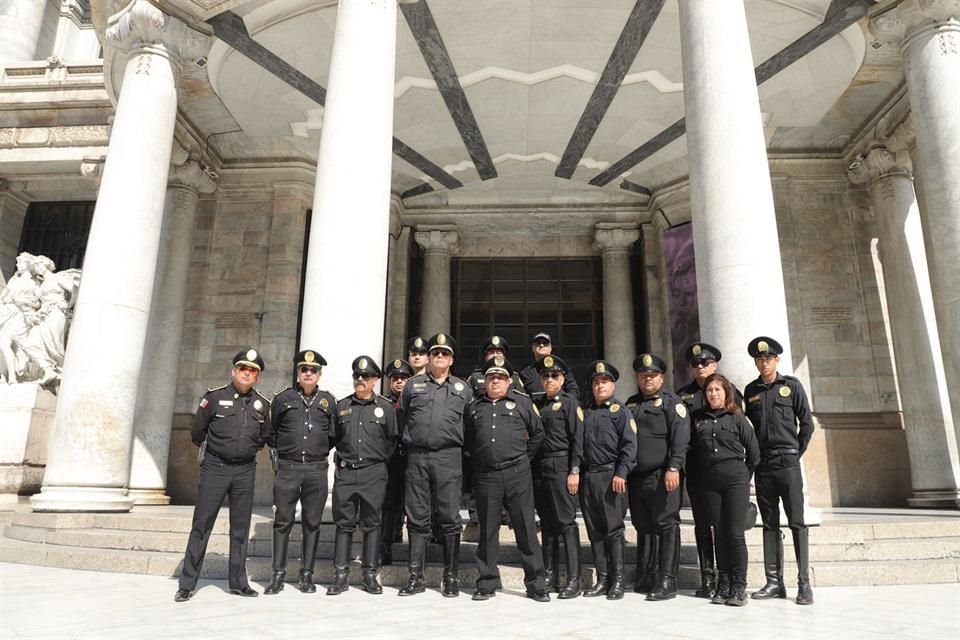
[246, 592]
[451, 566]
[451, 586]
[182, 595]
[617, 582]
[340, 584]
[667, 590]
[276, 583]
[599, 589]
[414, 585]
[538, 596]
[483, 594]
[773, 589]
[572, 590]
[305, 583]
[369, 583]
[738, 598]
[804, 594]
[722, 594]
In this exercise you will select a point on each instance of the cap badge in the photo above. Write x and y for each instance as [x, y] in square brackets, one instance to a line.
[418, 342]
[548, 361]
[362, 364]
[309, 357]
[647, 360]
[556, 406]
[441, 339]
[397, 364]
[510, 404]
[251, 355]
[600, 368]
[785, 392]
[495, 341]
[696, 350]
[498, 360]
[378, 412]
[763, 347]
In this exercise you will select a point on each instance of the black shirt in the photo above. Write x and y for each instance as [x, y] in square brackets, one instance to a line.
[781, 414]
[433, 413]
[719, 435]
[365, 430]
[501, 431]
[477, 382]
[562, 420]
[301, 426]
[663, 430]
[692, 396]
[533, 385]
[610, 436]
[231, 423]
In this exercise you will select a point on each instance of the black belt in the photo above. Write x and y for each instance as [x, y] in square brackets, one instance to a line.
[780, 452]
[554, 454]
[305, 459]
[596, 468]
[233, 462]
[344, 464]
[500, 466]
[411, 448]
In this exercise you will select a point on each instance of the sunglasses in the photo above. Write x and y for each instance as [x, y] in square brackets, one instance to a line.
[363, 376]
[313, 370]
[436, 353]
[550, 374]
[703, 364]
[246, 369]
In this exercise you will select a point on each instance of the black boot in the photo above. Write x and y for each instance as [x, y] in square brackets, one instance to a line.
[341, 563]
[307, 559]
[451, 566]
[772, 567]
[643, 580]
[723, 589]
[386, 538]
[418, 550]
[708, 580]
[571, 543]
[801, 548]
[669, 565]
[550, 561]
[368, 562]
[600, 562]
[617, 579]
[280, 542]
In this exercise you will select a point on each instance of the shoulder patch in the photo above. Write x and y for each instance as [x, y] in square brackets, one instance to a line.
[203, 403]
[633, 425]
[580, 413]
[681, 409]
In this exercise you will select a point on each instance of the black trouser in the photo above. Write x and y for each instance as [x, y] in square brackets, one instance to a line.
[697, 486]
[510, 488]
[779, 478]
[727, 495]
[557, 508]
[303, 481]
[219, 479]
[603, 510]
[358, 497]
[393, 500]
[433, 478]
[652, 508]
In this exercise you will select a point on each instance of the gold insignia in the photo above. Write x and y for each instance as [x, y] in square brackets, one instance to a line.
[397, 364]
[458, 386]
[324, 403]
[556, 405]
[495, 341]
[614, 408]
[498, 360]
[510, 404]
[658, 402]
[681, 409]
[580, 413]
[548, 362]
[251, 355]
[441, 339]
[309, 357]
[762, 346]
[535, 410]
[257, 405]
[696, 350]
[647, 360]
[600, 368]
[378, 412]
[785, 392]
[418, 342]
[362, 364]
[633, 424]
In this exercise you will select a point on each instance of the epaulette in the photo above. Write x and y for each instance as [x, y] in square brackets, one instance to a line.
[519, 393]
[212, 389]
[262, 396]
[281, 390]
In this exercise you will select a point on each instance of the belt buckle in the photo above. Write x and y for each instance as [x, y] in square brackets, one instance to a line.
[343, 464]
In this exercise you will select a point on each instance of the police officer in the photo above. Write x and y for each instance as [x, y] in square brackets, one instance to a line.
[397, 372]
[417, 354]
[228, 428]
[432, 405]
[653, 487]
[542, 346]
[502, 434]
[556, 476]
[609, 451]
[301, 425]
[777, 405]
[494, 346]
[365, 435]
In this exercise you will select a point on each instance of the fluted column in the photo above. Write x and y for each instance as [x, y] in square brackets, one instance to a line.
[928, 422]
[928, 34]
[20, 23]
[89, 464]
[739, 274]
[397, 286]
[439, 244]
[346, 277]
[157, 395]
[619, 339]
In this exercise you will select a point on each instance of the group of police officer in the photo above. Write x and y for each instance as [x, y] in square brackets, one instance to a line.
[531, 447]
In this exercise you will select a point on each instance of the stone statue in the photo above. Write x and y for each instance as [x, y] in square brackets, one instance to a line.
[36, 306]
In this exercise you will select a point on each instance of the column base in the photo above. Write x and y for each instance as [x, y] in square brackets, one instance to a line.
[82, 499]
[149, 497]
[935, 499]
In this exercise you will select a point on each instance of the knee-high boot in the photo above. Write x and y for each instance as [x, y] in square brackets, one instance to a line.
[368, 562]
[341, 563]
[418, 552]
[451, 566]
[802, 550]
[708, 576]
[600, 562]
[307, 558]
[669, 565]
[772, 567]
[571, 544]
[280, 542]
[551, 576]
[617, 580]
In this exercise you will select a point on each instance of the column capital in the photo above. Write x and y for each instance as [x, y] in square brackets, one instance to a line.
[899, 23]
[92, 166]
[903, 136]
[136, 23]
[439, 238]
[612, 236]
[193, 175]
[877, 163]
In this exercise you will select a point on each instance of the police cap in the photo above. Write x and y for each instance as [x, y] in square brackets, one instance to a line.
[365, 365]
[764, 346]
[649, 363]
[700, 351]
[497, 364]
[541, 337]
[249, 358]
[416, 344]
[443, 341]
[309, 358]
[495, 342]
[552, 363]
[603, 368]
[399, 367]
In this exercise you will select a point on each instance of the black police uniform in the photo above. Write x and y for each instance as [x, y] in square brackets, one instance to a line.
[724, 451]
[299, 431]
[391, 529]
[561, 455]
[609, 449]
[781, 414]
[365, 435]
[228, 427]
[501, 438]
[663, 436]
[433, 438]
[533, 386]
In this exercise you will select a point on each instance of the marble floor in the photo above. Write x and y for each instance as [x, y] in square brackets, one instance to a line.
[42, 602]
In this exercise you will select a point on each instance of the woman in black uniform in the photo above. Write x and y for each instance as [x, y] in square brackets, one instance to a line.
[725, 451]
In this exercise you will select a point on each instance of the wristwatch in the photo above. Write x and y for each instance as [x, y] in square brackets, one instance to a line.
[575, 471]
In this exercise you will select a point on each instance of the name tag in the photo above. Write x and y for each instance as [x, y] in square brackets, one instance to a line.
[345, 412]
[226, 403]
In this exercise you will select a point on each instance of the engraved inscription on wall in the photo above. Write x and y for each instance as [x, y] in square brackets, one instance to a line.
[822, 316]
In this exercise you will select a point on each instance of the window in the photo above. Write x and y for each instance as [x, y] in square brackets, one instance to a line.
[57, 230]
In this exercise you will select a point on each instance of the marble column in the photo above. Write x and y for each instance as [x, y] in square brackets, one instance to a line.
[739, 273]
[89, 463]
[928, 34]
[13, 211]
[20, 23]
[439, 243]
[153, 419]
[395, 343]
[928, 422]
[346, 277]
[619, 341]
[658, 295]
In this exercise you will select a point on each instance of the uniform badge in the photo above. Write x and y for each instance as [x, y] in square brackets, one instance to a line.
[633, 425]
[548, 362]
[324, 403]
[600, 368]
[257, 405]
[458, 386]
[441, 339]
[681, 409]
[309, 357]
[785, 392]
[251, 355]
[614, 408]
[510, 404]
[203, 403]
[362, 364]
[378, 412]
[763, 347]
[658, 402]
[696, 350]
[556, 405]
[418, 343]
[397, 364]
[580, 413]
[647, 360]
[495, 341]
